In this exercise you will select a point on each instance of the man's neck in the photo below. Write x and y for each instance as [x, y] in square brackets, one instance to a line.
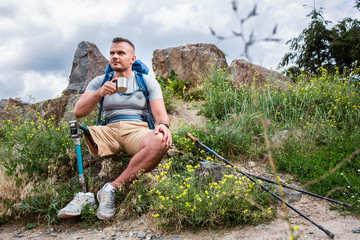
[125, 74]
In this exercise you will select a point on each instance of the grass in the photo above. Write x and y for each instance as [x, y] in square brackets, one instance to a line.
[321, 115]
[310, 128]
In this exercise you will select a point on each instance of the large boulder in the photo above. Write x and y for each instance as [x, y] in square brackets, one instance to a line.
[188, 61]
[88, 63]
[243, 72]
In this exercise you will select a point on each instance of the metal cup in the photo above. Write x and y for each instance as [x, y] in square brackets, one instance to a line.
[121, 84]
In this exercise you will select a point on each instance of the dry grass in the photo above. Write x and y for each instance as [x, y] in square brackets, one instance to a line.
[12, 192]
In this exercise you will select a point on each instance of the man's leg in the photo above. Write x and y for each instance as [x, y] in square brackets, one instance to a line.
[152, 149]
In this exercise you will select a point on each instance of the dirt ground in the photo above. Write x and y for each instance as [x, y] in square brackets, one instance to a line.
[317, 210]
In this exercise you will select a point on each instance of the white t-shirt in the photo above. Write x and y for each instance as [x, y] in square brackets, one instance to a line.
[134, 104]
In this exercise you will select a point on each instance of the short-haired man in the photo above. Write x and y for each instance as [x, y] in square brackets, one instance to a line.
[131, 135]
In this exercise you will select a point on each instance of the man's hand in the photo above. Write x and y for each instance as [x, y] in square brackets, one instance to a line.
[108, 88]
[167, 138]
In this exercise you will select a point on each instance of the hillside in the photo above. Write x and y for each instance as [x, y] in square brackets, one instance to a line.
[145, 227]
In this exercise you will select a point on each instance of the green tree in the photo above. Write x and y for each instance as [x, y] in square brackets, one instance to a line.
[318, 46]
[310, 50]
[345, 45]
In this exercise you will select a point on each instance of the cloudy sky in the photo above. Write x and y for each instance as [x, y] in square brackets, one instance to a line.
[38, 38]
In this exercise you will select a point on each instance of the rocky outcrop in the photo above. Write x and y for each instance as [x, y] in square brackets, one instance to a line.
[57, 109]
[10, 108]
[243, 72]
[188, 61]
[88, 63]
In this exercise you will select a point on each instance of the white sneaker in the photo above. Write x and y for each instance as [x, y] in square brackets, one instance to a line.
[75, 207]
[106, 200]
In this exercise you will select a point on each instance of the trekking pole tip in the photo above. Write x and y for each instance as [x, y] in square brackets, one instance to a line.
[191, 137]
[347, 205]
[330, 234]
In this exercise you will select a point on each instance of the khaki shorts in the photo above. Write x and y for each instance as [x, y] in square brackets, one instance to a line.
[115, 138]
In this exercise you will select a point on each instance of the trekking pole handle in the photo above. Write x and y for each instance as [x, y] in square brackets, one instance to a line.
[192, 138]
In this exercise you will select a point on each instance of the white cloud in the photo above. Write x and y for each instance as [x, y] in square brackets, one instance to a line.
[47, 85]
[186, 17]
[39, 37]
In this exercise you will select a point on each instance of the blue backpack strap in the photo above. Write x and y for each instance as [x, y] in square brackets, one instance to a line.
[108, 76]
[142, 85]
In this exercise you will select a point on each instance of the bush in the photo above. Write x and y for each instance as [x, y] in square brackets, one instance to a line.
[177, 200]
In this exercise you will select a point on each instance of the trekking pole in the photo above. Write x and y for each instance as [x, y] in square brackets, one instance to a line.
[297, 189]
[76, 134]
[196, 140]
[303, 191]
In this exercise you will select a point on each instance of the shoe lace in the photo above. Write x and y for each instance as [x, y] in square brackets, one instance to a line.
[108, 198]
[77, 200]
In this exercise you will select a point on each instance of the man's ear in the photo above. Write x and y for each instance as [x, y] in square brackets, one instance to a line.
[133, 58]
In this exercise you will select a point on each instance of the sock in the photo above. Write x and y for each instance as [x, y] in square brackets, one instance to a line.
[109, 187]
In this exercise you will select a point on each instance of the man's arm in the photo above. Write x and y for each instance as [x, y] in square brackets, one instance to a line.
[158, 111]
[88, 100]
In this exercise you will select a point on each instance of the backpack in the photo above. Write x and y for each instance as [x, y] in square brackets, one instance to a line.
[139, 68]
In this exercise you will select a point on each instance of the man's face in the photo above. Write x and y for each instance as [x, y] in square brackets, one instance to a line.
[122, 56]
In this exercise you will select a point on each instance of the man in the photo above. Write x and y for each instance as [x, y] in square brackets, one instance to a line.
[132, 135]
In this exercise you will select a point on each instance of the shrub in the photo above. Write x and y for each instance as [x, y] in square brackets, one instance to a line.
[177, 200]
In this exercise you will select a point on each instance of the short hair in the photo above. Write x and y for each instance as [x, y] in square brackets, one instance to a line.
[120, 39]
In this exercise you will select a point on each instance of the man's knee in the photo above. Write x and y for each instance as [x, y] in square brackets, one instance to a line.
[154, 142]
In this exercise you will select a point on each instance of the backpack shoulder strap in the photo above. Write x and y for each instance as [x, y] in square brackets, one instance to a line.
[142, 85]
[108, 76]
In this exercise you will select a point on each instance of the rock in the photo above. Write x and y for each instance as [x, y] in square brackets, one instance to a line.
[251, 164]
[280, 137]
[175, 238]
[211, 170]
[188, 61]
[356, 230]
[10, 108]
[243, 72]
[292, 196]
[88, 63]
[141, 234]
[57, 108]
[53, 108]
